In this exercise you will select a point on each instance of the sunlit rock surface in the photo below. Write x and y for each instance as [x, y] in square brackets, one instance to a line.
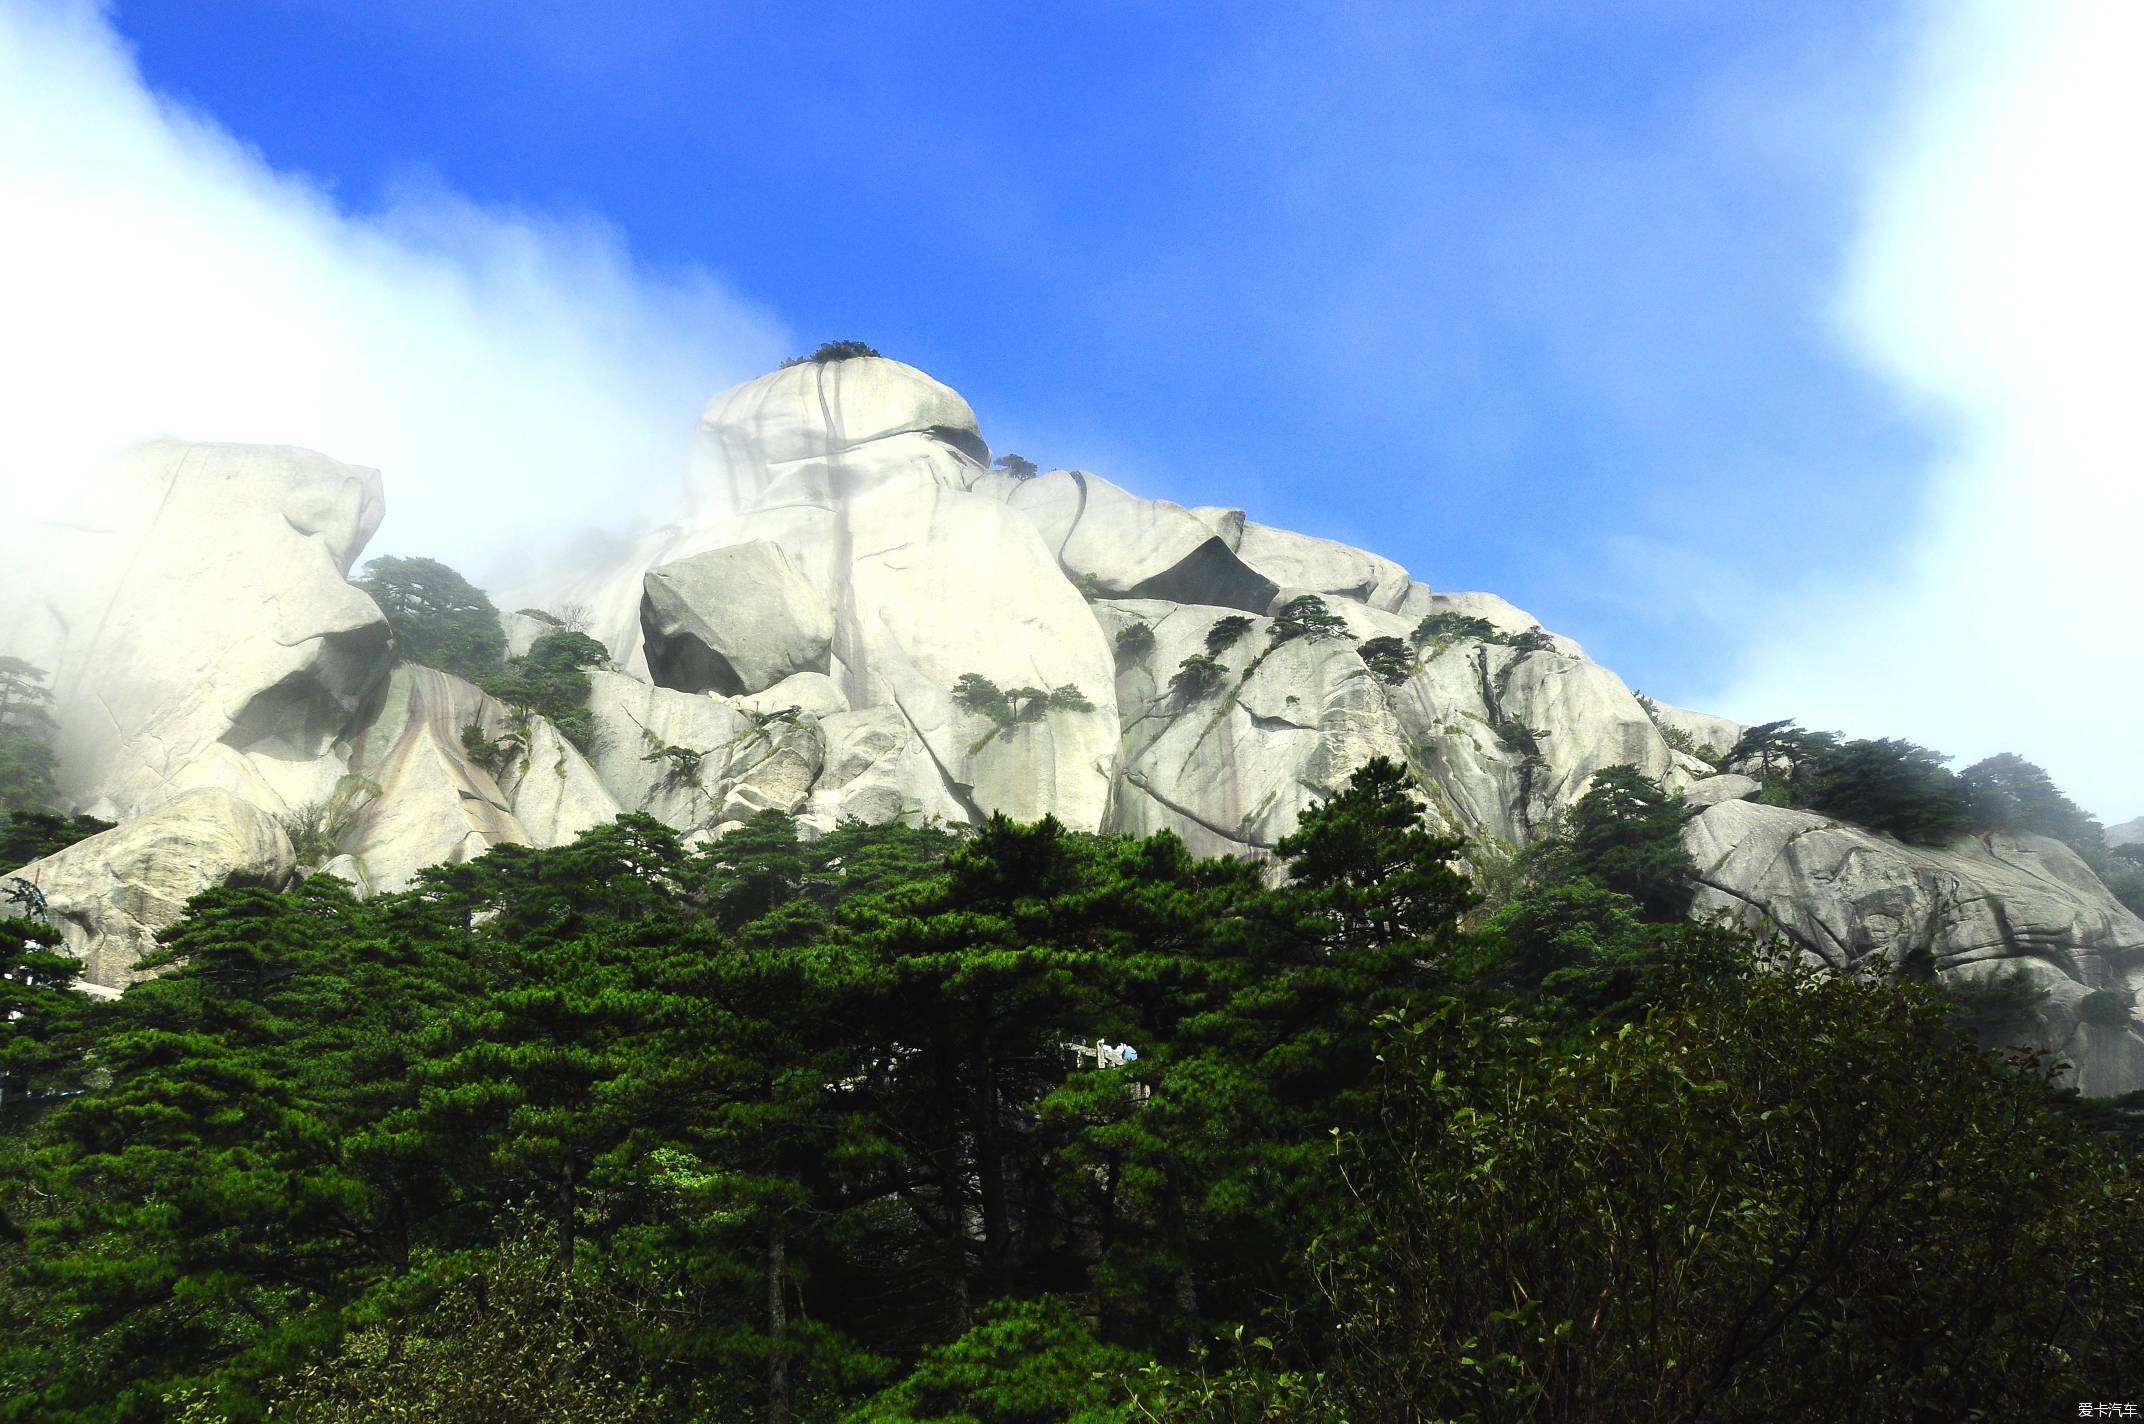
[111, 893]
[732, 621]
[797, 638]
[201, 599]
[1985, 905]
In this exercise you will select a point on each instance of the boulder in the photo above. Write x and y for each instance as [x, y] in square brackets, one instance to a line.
[111, 893]
[202, 599]
[1135, 548]
[697, 762]
[813, 410]
[877, 768]
[1712, 790]
[551, 790]
[732, 620]
[812, 692]
[1990, 905]
[522, 631]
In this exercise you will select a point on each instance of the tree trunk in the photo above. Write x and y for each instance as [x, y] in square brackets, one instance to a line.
[990, 1177]
[777, 1327]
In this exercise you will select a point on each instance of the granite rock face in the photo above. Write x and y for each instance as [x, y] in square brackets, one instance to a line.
[855, 615]
[733, 621]
[201, 598]
[111, 893]
[1987, 905]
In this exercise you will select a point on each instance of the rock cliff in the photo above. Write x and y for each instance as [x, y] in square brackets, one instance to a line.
[859, 616]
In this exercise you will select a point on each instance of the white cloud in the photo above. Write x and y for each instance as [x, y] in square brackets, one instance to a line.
[1998, 281]
[514, 375]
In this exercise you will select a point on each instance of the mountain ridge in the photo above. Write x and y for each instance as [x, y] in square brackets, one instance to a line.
[858, 615]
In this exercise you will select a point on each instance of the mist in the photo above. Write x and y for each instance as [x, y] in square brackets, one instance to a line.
[1996, 285]
[518, 377]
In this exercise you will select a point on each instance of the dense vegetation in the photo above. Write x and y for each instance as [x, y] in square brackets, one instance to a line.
[441, 620]
[1907, 791]
[772, 1129]
[437, 617]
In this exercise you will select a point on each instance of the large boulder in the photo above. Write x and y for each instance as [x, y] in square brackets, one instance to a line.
[111, 893]
[1712, 790]
[733, 620]
[1130, 547]
[551, 791]
[200, 599]
[1984, 907]
[812, 412]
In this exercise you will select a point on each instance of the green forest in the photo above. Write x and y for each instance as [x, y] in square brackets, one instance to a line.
[845, 1129]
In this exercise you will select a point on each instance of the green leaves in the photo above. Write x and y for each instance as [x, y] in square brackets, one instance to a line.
[437, 617]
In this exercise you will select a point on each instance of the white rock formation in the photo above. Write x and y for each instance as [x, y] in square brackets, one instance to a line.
[795, 641]
[1299, 561]
[1712, 790]
[732, 621]
[111, 893]
[1716, 735]
[2127, 833]
[435, 805]
[813, 412]
[1995, 903]
[1134, 548]
[200, 599]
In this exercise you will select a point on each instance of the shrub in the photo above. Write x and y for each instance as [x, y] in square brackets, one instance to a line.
[978, 694]
[1534, 640]
[551, 680]
[683, 763]
[316, 828]
[1891, 786]
[1454, 627]
[438, 618]
[33, 835]
[491, 753]
[2104, 1008]
[2009, 793]
[1626, 833]
[1008, 707]
[1226, 633]
[831, 351]
[1306, 616]
[1135, 640]
[1018, 466]
[1389, 658]
[1196, 676]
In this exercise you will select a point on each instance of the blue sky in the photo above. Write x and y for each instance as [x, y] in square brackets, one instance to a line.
[1586, 305]
[1511, 296]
